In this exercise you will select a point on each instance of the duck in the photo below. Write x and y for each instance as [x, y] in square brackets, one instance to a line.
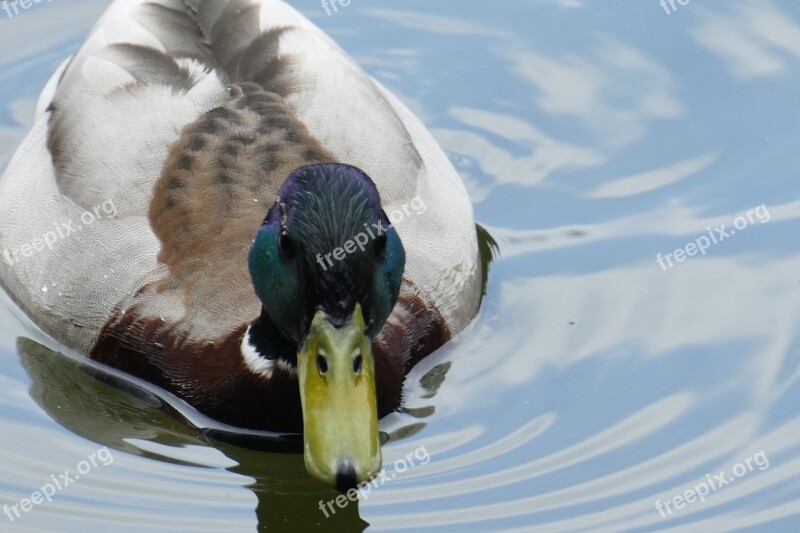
[216, 198]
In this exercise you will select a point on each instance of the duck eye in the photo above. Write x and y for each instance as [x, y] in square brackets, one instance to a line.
[322, 364]
[286, 245]
[357, 364]
[380, 247]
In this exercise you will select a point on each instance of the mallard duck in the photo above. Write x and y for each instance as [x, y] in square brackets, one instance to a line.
[216, 198]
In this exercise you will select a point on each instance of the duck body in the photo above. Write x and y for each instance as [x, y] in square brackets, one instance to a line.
[128, 215]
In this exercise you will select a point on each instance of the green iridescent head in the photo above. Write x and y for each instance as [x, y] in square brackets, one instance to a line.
[327, 267]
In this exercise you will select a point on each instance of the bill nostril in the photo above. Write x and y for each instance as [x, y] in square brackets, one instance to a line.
[345, 476]
[322, 364]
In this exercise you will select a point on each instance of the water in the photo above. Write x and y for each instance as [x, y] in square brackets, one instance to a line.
[595, 383]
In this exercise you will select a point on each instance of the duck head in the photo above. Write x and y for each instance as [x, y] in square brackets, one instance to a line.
[327, 267]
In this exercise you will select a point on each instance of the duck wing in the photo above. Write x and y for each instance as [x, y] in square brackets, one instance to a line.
[111, 153]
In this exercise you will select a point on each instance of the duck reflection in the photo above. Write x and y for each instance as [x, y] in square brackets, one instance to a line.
[113, 411]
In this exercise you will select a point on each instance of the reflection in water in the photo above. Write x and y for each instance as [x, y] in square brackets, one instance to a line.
[91, 404]
[750, 37]
[112, 410]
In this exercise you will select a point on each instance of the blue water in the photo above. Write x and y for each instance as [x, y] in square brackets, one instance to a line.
[596, 384]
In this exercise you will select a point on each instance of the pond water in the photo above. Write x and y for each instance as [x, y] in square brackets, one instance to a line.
[636, 362]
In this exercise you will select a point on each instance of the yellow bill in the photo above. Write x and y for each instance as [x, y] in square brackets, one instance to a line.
[336, 371]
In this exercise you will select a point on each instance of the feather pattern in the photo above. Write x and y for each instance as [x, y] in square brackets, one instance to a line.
[186, 117]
